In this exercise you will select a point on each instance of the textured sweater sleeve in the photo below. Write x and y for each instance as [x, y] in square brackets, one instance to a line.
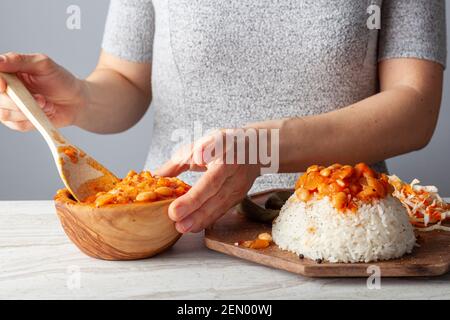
[413, 29]
[129, 30]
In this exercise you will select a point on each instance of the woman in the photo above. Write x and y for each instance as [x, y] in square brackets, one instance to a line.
[334, 89]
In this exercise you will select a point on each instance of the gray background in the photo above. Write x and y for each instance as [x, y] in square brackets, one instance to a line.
[27, 171]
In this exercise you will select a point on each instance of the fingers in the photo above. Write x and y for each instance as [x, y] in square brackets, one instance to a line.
[210, 211]
[180, 162]
[239, 180]
[171, 169]
[206, 187]
[193, 157]
[25, 66]
[22, 126]
[3, 85]
[7, 103]
[9, 113]
[38, 64]
[188, 157]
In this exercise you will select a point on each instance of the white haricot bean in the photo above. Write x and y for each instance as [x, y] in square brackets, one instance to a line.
[164, 191]
[325, 172]
[340, 182]
[265, 236]
[146, 196]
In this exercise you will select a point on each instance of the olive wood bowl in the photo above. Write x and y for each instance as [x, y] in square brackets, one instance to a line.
[117, 232]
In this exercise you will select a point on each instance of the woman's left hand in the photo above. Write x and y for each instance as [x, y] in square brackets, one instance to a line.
[222, 186]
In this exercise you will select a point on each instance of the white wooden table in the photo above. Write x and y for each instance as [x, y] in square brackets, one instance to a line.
[37, 261]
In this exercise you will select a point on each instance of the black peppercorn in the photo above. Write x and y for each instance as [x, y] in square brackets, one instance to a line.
[301, 256]
[319, 260]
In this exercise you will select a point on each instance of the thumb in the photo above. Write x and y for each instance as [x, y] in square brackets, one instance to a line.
[171, 169]
[178, 163]
[37, 64]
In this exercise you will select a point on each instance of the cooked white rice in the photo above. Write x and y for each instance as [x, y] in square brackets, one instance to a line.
[377, 231]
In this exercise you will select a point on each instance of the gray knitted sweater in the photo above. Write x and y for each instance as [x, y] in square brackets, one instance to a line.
[225, 63]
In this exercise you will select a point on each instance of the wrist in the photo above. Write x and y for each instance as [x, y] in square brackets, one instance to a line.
[82, 105]
[298, 144]
[265, 151]
[284, 144]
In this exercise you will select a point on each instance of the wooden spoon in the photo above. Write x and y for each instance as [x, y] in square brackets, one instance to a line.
[82, 175]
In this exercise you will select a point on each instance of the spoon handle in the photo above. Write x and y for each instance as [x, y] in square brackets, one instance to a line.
[28, 105]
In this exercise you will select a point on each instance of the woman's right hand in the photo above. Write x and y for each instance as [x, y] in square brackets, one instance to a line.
[59, 93]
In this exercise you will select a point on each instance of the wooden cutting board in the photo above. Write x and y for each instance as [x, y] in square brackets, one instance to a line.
[432, 258]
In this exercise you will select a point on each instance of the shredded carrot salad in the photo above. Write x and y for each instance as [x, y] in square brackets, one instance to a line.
[426, 209]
